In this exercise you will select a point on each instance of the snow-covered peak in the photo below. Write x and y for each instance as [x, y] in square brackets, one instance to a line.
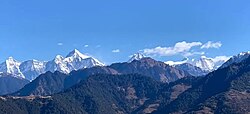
[59, 57]
[32, 65]
[244, 53]
[136, 56]
[77, 54]
[75, 60]
[32, 68]
[11, 60]
[205, 63]
[57, 64]
[11, 67]
[237, 59]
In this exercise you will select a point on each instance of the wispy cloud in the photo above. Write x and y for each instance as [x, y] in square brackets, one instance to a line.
[211, 44]
[86, 46]
[188, 54]
[116, 51]
[183, 48]
[178, 48]
[59, 44]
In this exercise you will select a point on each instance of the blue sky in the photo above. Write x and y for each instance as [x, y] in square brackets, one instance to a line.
[31, 29]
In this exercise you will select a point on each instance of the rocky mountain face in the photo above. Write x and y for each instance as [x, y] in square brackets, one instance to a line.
[32, 68]
[150, 67]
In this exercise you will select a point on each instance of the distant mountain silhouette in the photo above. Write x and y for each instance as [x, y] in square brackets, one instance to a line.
[10, 84]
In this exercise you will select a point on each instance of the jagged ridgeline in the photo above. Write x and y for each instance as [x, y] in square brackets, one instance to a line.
[50, 83]
[139, 86]
[31, 69]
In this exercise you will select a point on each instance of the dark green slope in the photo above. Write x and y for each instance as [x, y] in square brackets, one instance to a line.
[45, 84]
[109, 94]
[223, 91]
[97, 94]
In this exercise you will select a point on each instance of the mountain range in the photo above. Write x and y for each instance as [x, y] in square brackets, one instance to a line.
[81, 84]
[138, 63]
[141, 65]
[149, 67]
[204, 63]
[223, 91]
[75, 60]
[30, 69]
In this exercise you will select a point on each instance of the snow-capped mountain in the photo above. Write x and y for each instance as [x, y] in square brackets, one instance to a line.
[236, 59]
[76, 60]
[57, 64]
[32, 68]
[205, 63]
[136, 56]
[191, 69]
[73, 61]
[188, 66]
[11, 67]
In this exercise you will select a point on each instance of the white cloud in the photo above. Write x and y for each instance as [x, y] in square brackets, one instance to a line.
[211, 44]
[86, 46]
[116, 51]
[59, 44]
[180, 47]
[171, 63]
